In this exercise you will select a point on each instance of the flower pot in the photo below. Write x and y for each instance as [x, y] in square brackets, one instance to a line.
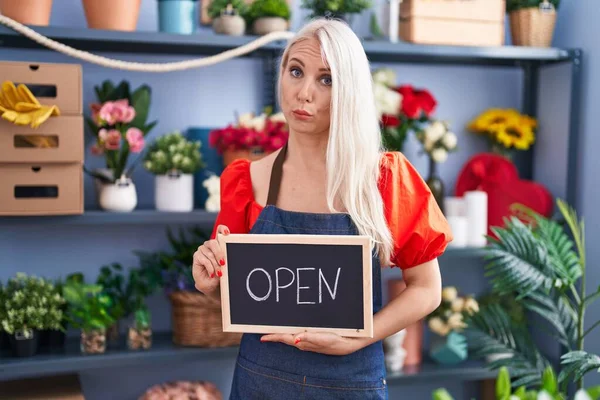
[450, 349]
[394, 351]
[93, 342]
[232, 25]
[265, 25]
[24, 345]
[139, 338]
[28, 12]
[177, 16]
[120, 15]
[118, 197]
[532, 27]
[174, 192]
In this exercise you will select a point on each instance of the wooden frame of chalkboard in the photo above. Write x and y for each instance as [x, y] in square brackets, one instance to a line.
[350, 316]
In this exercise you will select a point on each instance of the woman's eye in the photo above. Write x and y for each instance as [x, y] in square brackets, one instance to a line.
[326, 80]
[295, 72]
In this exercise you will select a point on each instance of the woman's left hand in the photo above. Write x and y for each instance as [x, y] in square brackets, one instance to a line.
[318, 342]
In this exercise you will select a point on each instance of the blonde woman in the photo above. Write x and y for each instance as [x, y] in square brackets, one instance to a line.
[332, 177]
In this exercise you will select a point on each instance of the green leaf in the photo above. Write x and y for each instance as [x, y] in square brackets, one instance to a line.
[594, 392]
[576, 365]
[140, 101]
[72, 295]
[441, 394]
[503, 384]
[549, 381]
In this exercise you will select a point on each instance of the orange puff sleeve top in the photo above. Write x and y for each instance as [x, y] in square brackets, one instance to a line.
[419, 229]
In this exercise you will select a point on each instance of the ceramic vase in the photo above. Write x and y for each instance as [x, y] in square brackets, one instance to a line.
[120, 196]
[394, 351]
[174, 192]
[27, 12]
[450, 349]
[265, 25]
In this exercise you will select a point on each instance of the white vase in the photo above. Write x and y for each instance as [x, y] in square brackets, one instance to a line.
[174, 192]
[120, 196]
[394, 351]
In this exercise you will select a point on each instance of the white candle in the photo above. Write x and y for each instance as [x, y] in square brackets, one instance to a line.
[455, 206]
[477, 212]
[460, 228]
[394, 20]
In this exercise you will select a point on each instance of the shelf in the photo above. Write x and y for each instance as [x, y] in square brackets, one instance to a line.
[163, 351]
[137, 217]
[208, 43]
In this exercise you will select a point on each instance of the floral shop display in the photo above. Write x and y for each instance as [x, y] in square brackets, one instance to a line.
[532, 22]
[447, 322]
[437, 140]
[120, 15]
[27, 12]
[119, 125]
[252, 137]
[29, 305]
[174, 160]
[266, 16]
[401, 108]
[178, 16]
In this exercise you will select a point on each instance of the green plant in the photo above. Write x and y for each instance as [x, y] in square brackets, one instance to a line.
[543, 265]
[140, 285]
[268, 8]
[513, 5]
[89, 306]
[30, 303]
[173, 153]
[335, 8]
[113, 283]
[549, 389]
[216, 6]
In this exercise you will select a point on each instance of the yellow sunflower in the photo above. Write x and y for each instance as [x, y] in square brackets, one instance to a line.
[519, 136]
[490, 120]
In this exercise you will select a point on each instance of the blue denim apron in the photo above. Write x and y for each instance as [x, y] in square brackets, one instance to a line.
[280, 371]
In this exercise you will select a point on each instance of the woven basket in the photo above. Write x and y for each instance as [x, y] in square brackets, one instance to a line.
[197, 321]
[532, 27]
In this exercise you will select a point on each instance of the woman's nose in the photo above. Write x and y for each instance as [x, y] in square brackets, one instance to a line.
[306, 92]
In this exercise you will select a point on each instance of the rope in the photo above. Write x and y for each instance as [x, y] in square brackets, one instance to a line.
[144, 67]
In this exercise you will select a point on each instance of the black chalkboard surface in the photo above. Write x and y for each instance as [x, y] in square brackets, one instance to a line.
[296, 283]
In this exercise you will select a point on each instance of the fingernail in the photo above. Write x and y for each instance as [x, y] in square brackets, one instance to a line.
[222, 262]
[227, 231]
[219, 273]
[212, 275]
[297, 341]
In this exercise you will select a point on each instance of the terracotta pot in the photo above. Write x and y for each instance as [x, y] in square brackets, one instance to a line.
[118, 15]
[28, 12]
[230, 155]
[413, 341]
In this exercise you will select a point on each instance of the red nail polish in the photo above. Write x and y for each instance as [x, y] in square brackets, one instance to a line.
[297, 341]
[222, 262]
[219, 273]
[227, 231]
[212, 275]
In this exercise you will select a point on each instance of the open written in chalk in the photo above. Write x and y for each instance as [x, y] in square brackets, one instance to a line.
[296, 283]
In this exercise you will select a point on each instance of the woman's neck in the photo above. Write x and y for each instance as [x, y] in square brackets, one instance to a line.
[307, 152]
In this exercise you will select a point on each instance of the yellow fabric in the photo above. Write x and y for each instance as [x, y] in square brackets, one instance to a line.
[19, 106]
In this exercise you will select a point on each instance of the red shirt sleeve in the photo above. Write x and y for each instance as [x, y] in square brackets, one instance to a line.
[236, 197]
[419, 229]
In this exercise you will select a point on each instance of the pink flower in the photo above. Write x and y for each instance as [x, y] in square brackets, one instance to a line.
[111, 139]
[97, 150]
[123, 112]
[106, 113]
[95, 107]
[135, 139]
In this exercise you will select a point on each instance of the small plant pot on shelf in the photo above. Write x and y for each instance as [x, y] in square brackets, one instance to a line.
[118, 15]
[24, 344]
[120, 196]
[177, 16]
[265, 25]
[93, 342]
[139, 338]
[174, 192]
[232, 25]
[532, 27]
[28, 12]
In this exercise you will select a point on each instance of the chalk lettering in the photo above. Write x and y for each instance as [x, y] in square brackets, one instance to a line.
[277, 281]
[322, 279]
[301, 287]
[248, 285]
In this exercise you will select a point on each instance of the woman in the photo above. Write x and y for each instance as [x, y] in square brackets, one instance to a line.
[330, 178]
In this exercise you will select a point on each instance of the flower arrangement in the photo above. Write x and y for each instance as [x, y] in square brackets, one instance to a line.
[401, 108]
[266, 132]
[31, 304]
[505, 129]
[450, 315]
[173, 153]
[437, 140]
[119, 124]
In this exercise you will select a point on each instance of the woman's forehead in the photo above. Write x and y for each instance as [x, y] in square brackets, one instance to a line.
[309, 51]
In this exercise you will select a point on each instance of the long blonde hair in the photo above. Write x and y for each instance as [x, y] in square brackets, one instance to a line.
[354, 146]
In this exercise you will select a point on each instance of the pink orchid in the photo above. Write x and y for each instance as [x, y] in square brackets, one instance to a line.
[135, 138]
[111, 139]
[122, 111]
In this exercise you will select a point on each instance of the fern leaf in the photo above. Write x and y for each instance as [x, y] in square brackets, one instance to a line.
[577, 364]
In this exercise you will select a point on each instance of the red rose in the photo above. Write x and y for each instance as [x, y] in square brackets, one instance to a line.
[426, 101]
[390, 121]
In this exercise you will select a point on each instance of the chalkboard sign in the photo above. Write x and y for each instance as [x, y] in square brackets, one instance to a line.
[297, 283]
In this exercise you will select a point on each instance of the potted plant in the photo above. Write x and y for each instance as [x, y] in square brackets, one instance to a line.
[532, 22]
[89, 311]
[31, 304]
[177, 16]
[139, 286]
[266, 16]
[228, 16]
[449, 346]
[342, 9]
[251, 137]
[119, 125]
[506, 130]
[113, 283]
[27, 12]
[119, 15]
[174, 160]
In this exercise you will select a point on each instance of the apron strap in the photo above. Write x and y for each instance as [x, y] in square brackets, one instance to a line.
[276, 172]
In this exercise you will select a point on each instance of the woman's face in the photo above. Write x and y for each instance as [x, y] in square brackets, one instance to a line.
[306, 89]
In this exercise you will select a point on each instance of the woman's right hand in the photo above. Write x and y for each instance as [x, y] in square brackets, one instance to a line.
[208, 262]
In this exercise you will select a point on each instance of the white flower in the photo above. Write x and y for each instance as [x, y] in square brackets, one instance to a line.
[385, 76]
[458, 304]
[259, 122]
[581, 394]
[279, 117]
[387, 101]
[543, 395]
[438, 326]
[245, 120]
[449, 140]
[471, 305]
[435, 131]
[449, 293]
[439, 155]
[456, 321]
[213, 187]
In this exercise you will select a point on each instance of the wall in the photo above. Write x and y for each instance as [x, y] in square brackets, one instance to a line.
[208, 97]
